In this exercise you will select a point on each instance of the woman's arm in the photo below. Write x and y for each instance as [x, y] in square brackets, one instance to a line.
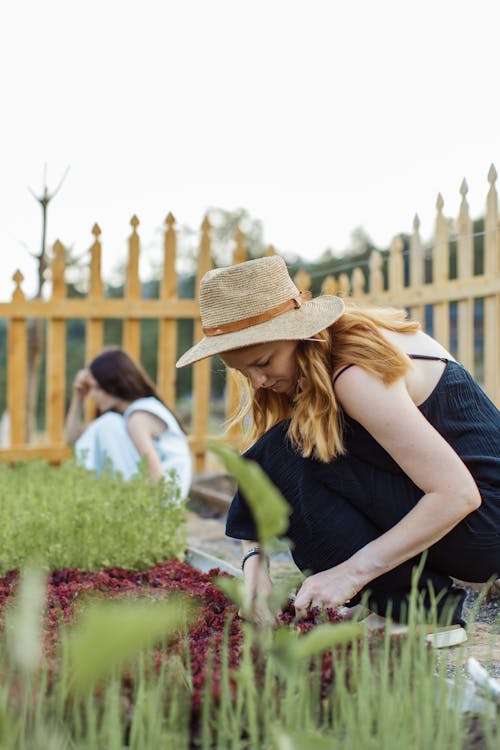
[142, 426]
[258, 585]
[450, 492]
[74, 418]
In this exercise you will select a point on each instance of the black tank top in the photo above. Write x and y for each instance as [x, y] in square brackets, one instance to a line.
[411, 356]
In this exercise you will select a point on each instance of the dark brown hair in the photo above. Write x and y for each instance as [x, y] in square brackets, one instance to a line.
[118, 374]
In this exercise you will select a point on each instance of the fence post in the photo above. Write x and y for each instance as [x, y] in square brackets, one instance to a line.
[492, 301]
[302, 280]
[240, 251]
[94, 326]
[416, 268]
[396, 265]
[56, 353]
[329, 285]
[376, 275]
[440, 274]
[16, 370]
[167, 329]
[132, 326]
[358, 282]
[232, 394]
[465, 268]
[201, 374]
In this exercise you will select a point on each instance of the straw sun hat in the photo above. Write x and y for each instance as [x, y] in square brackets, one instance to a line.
[255, 302]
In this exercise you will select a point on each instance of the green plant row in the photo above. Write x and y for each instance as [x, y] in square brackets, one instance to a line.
[384, 694]
[67, 518]
[104, 689]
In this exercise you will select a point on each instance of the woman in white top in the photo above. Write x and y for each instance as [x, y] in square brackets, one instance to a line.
[133, 422]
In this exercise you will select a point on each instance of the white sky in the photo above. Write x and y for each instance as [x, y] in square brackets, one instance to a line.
[316, 116]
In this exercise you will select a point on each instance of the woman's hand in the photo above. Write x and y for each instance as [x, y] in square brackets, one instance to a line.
[74, 418]
[258, 586]
[330, 588]
[82, 383]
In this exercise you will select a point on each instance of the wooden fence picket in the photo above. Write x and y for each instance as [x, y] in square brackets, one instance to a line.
[232, 393]
[56, 354]
[416, 269]
[94, 327]
[201, 374]
[132, 324]
[465, 268]
[167, 329]
[492, 301]
[16, 372]
[440, 275]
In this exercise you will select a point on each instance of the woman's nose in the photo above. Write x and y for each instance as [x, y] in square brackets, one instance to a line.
[257, 379]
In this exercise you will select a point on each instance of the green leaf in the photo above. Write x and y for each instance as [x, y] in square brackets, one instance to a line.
[290, 646]
[232, 588]
[300, 740]
[24, 621]
[269, 509]
[111, 633]
[283, 590]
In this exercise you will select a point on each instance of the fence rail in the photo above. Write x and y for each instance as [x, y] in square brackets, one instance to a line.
[406, 287]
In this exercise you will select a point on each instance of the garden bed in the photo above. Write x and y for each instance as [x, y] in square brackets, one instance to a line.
[160, 672]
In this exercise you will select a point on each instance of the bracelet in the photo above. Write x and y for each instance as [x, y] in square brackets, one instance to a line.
[251, 552]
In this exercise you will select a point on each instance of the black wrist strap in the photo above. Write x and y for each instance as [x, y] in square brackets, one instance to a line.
[251, 552]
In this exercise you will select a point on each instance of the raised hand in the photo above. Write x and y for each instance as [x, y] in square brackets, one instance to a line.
[82, 383]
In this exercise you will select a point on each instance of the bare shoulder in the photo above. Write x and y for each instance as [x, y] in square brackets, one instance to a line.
[425, 374]
[144, 422]
[358, 390]
[393, 419]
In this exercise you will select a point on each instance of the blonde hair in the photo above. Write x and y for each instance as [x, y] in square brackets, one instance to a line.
[316, 417]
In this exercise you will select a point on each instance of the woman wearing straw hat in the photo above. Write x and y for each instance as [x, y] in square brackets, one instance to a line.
[381, 442]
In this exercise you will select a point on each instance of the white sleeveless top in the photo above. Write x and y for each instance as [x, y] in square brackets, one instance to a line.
[171, 446]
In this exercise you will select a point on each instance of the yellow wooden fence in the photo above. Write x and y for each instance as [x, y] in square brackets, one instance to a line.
[168, 309]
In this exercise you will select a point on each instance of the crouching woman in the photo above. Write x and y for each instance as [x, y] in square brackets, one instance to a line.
[133, 422]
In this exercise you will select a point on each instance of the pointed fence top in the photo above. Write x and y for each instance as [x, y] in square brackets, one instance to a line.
[96, 230]
[170, 220]
[464, 188]
[58, 249]
[270, 250]
[205, 224]
[240, 251]
[439, 203]
[416, 223]
[492, 174]
[329, 285]
[344, 285]
[134, 222]
[397, 244]
[302, 280]
[18, 294]
[375, 259]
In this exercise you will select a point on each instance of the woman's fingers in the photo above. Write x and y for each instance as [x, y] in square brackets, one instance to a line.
[304, 600]
[329, 588]
[82, 382]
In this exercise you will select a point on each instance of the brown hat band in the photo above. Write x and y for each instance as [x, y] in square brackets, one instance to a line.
[239, 325]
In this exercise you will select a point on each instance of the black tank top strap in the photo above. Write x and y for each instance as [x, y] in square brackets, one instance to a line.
[428, 356]
[340, 372]
[411, 356]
